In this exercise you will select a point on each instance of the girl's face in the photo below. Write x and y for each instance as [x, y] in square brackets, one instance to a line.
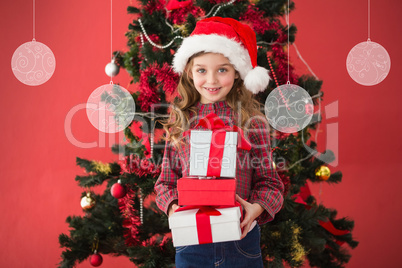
[213, 76]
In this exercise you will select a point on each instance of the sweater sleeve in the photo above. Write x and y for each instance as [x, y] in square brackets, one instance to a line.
[267, 188]
[166, 185]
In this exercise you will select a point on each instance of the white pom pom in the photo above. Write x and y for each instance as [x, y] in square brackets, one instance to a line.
[257, 79]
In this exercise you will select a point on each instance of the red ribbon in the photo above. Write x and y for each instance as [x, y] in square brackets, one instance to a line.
[301, 198]
[203, 220]
[216, 154]
[175, 4]
[327, 225]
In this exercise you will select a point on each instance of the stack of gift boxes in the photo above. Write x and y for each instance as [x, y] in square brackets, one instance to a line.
[209, 212]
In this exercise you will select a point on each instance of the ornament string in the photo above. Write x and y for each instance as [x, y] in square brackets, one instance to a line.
[305, 63]
[320, 194]
[368, 20]
[111, 35]
[287, 21]
[95, 244]
[297, 51]
[33, 18]
[288, 82]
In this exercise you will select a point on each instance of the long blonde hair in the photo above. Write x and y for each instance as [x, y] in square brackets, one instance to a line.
[184, 106]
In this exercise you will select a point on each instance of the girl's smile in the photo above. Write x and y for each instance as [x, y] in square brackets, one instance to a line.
[213, 76]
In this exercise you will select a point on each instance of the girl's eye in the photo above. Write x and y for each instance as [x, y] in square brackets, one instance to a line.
[222, 70]
[201, 71]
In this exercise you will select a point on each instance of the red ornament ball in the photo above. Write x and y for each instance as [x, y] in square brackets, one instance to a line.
[95, 259]
[118, 190]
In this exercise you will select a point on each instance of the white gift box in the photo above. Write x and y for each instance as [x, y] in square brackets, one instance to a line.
[200, 142]
[225, 227]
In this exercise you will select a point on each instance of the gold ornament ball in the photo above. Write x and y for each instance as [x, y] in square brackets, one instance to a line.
[323, 173]
[87, 202]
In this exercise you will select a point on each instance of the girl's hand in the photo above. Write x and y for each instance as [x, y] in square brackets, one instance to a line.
[172, 208]
[252, 212]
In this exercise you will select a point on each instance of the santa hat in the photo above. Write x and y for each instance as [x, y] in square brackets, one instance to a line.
[234, 40]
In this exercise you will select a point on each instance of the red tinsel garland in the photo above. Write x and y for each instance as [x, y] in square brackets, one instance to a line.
[152, 6]
[179, 16]
[148, 91]
[217, 1]
[256, 18]
[140, 167]
[131, 220]
[133, 164]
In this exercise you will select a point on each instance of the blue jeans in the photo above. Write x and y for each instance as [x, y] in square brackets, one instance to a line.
[243, 253]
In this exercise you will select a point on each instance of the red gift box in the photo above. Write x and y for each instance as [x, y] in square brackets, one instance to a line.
[206, 192]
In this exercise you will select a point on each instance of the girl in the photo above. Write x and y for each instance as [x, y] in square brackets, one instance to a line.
[219, 74]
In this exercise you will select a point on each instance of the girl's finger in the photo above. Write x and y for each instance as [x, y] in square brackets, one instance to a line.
[245, 231]
[241, 200]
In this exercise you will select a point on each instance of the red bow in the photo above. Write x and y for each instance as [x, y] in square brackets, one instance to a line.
[215, 123]
[174, 4]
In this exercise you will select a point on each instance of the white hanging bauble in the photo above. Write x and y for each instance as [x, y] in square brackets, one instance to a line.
[289, 108]
[33, 63]
[112, 69]
[110, 108]
[368, 63]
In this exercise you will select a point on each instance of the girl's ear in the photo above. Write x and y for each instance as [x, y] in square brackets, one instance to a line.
[237, 75]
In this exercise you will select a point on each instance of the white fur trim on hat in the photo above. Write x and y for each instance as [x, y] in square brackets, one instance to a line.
[255, 79]
[231, 49]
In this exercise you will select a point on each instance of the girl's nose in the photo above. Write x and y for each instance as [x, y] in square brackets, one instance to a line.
[212, 78]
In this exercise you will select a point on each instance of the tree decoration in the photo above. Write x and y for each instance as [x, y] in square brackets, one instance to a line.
[142, 167]
[33, 63]
[87, 202]
[368, 63]
[132, 220]
[100, 167]
[163, 78]
[96, 259]
[323, 173]
[298, 251]
[118, 190]
[112, 69]
[110, 108]
[259, 23]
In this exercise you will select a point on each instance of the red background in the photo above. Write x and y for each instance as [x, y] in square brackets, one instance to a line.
[38, 163]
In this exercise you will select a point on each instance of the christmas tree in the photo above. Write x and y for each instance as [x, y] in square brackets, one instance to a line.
[124, 220]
